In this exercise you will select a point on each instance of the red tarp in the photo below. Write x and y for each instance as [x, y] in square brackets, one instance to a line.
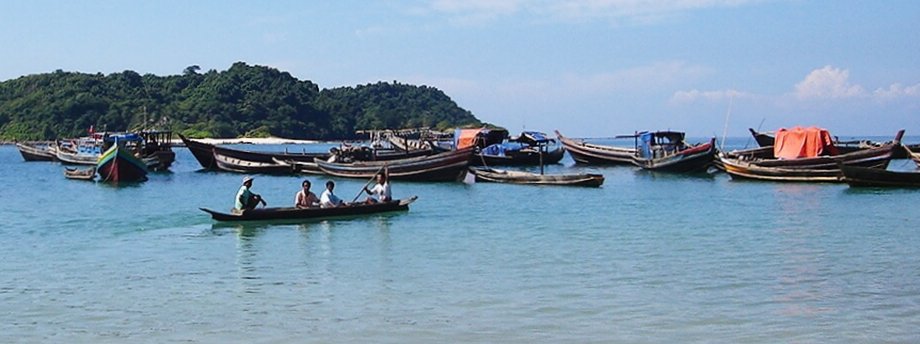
[466, 137]
[801, 142]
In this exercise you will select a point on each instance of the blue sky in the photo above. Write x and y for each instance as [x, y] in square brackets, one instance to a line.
[586, 67]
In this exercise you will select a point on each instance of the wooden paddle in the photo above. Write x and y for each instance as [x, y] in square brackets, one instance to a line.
[368, 183]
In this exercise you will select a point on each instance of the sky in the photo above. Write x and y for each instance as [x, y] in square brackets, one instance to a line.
[589, 68]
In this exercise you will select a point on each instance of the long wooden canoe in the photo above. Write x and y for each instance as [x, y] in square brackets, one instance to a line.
[263, 214]
[594, 154]
[484, 174]
[231, 164]
[873, 177]
[447, 166]
[204, 153]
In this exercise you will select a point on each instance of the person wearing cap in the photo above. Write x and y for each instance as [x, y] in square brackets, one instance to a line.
[245, 199]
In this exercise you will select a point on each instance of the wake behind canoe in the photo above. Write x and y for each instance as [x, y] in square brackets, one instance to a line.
[262, 214]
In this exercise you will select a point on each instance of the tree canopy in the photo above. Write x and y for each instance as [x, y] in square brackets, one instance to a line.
[252, 101]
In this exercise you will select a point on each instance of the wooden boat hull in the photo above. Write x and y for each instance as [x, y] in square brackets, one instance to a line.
[35, 151]
[519, 158]
[518, 177]
[694, 159]
[231, 164]
[118, 165]
[857, 176]
[268, 214]
[77, 158]
[823, 169]
[204, 153]
[80, 174]
[593, 154]
[447, 166]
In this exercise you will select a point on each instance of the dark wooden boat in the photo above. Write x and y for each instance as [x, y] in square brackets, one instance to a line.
[80, 173]
[204, 153]
[118, 165]
[594, 154]
[232, 164]
[485, 174]
[447, 166]
[812, 169]
[520, 157]
[301, 167]
[36, 151]
[265, 214]
[667, 151]
[857, 176]
[766, 139]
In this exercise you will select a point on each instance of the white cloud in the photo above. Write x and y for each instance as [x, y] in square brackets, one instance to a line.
[896, 91]
[827, 82]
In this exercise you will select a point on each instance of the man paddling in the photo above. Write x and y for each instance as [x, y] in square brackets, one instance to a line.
[245, 199]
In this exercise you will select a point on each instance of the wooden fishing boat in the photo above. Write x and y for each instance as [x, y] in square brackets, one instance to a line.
[447, 166]
[766, 139]
[301, 167]
[485, 174]
[117, 164]
[80, 151]
[857, 176]
[80, 173]
[594, 154]
[204, 153]
[36, 151]
[265, 214]
[667, 151]
[811, 169]
[232, 164]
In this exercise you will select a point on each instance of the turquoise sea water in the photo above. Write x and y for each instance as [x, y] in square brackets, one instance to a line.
[647, 258]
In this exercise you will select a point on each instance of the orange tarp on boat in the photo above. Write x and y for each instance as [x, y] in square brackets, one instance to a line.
[801, 142]
[466, 137]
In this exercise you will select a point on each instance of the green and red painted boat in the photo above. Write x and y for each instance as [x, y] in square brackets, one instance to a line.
[118, 164]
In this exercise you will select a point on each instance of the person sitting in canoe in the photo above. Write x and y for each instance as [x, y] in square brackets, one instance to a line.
[380, 192]
[305, 198]
[329, 199]
[245, 199]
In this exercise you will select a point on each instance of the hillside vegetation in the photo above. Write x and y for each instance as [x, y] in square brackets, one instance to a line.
[252, 101]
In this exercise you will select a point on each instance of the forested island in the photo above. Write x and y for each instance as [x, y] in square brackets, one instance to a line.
[243, 101]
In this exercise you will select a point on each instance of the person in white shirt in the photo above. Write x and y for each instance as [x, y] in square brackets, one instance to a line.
[329, 199]
[379, 192]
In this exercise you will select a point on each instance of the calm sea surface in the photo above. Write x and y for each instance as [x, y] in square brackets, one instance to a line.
[647, 258]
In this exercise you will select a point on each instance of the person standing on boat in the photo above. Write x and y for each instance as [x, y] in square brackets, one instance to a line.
[305, 198]
[329, 199]
[245, 199]
[381, 191]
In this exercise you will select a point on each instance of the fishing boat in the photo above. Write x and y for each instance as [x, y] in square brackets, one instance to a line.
[232, 164]
[797, 158]
[204, 153]
[594, 154]
[265, 214]
[485, 174]
[767, 139]
[80, 173]
[36, 151]
[118, 164]
[668, 151]
[447, 166]
[857, 176]
[80, 151]
[494, 147]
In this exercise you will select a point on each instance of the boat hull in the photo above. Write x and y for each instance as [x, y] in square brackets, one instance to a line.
[518, 177]
[593, 154]
[204, 153]
[857, 176]
[519, 158]
[448, 166]
[118, 165]
[35, 151]
[694, 159]
[298, 214]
